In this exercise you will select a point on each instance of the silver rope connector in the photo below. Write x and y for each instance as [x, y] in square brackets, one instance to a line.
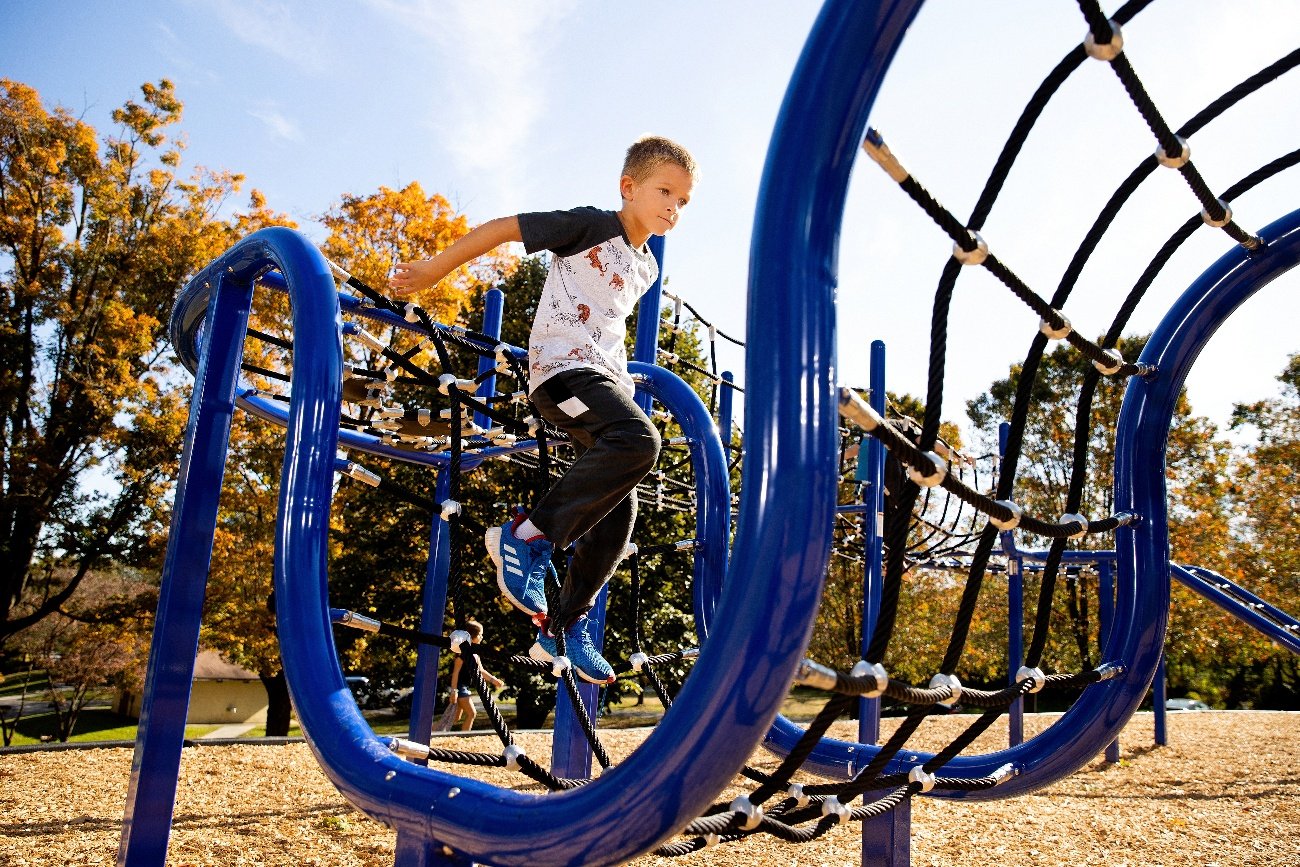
[920, 775]
[1070, 517]
[1052, 332]
[1032, 674]
[1174, 161]
[357, 472]
[936, 476]
[753, 814]
[974, 256]
[1107, 51]
[876, 671]
[408, 749]
[876, 148]
[950, 681]
[1009, 523]
[815, 674]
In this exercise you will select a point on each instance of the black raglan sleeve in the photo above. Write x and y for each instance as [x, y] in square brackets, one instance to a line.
[565, 233]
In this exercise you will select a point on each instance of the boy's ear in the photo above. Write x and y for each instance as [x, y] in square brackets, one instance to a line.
[625, 185]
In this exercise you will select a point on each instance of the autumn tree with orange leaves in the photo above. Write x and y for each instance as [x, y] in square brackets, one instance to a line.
[96, 237]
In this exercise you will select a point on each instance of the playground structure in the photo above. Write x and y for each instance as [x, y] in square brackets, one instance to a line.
[769, 589]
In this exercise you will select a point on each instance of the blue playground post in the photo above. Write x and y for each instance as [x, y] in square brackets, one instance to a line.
[433, 607]
[1015, 611]
[886, 839]
[493, 307]
[1158, 705]
[570, 751]
[1105, 616]
[871, 471]
[151, 792]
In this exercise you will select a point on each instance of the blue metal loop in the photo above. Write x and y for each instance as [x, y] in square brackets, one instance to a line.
[495, 825]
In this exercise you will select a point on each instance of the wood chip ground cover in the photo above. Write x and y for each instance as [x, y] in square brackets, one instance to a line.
[1225, 791]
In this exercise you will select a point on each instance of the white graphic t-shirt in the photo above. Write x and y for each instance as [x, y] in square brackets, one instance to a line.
[591, 288]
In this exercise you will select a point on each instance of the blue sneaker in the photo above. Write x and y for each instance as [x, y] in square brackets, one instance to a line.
[580, 649]
[521, 566]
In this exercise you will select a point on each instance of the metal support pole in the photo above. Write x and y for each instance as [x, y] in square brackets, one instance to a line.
[1015, 615]
[1106, 616]
[433, 607]
[151, 793]
[647, 319]
[570, 750]
[493, 306]
[871, 471]
[886, 839]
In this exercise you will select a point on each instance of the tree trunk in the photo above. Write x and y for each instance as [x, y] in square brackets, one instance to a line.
[278, 709]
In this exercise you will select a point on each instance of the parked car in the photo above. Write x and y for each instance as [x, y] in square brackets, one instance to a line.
[371, 695]
[1185, 704]
[360, 687]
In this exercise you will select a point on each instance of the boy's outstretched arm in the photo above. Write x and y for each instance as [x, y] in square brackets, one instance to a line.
[411, 277]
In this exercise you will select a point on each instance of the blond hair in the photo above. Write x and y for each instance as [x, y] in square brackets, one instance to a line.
[649, 152]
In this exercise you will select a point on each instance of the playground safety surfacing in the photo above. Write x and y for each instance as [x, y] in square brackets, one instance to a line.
[1225, 791]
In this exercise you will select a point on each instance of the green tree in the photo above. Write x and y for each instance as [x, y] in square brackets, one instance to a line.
[94, 242]
[1197, 461]
[1265, 554]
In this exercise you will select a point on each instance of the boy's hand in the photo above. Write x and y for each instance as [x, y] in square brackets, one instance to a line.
[411, 277]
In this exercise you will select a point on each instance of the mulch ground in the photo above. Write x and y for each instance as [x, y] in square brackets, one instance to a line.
[1225, 791]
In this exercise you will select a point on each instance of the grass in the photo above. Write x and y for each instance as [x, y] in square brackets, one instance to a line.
[93, 724]
[101, 724]
[36, 682]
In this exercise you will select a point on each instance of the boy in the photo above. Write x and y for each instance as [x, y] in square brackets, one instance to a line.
[578, 380]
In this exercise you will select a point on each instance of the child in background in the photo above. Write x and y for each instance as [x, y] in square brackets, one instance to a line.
[462, 694]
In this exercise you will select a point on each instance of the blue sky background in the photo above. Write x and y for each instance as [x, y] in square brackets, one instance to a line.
[512, 106]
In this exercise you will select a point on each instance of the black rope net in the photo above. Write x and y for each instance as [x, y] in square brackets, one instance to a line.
[943, 509]
[922, 464]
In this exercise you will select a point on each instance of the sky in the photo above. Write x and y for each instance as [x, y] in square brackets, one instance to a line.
[505, 107]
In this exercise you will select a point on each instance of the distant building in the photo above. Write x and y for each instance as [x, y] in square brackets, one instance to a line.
[221, 693]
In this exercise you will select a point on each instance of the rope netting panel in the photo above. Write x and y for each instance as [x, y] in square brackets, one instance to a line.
[928, 464]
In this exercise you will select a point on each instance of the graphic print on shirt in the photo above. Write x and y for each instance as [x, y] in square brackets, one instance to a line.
[592, 286]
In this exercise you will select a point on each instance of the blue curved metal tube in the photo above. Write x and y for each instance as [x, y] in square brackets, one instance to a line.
[497, 826]
[712, 484]
[1142, 551]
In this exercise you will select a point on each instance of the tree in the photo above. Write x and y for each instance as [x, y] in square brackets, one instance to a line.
[79, 658]
[372, 233]
[94, 243]
[1266, 547]
[1196, 468]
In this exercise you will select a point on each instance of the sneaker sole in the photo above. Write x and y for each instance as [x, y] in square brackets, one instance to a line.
[492, 539]
[540, 654]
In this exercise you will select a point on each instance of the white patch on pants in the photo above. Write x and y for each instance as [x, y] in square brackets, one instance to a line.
[573, 407]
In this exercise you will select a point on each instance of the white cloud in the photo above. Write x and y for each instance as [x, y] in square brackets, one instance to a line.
[273, 27]
[279, 126]
[491, 79]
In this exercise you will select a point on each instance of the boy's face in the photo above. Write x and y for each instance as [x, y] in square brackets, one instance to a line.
[655, 203]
